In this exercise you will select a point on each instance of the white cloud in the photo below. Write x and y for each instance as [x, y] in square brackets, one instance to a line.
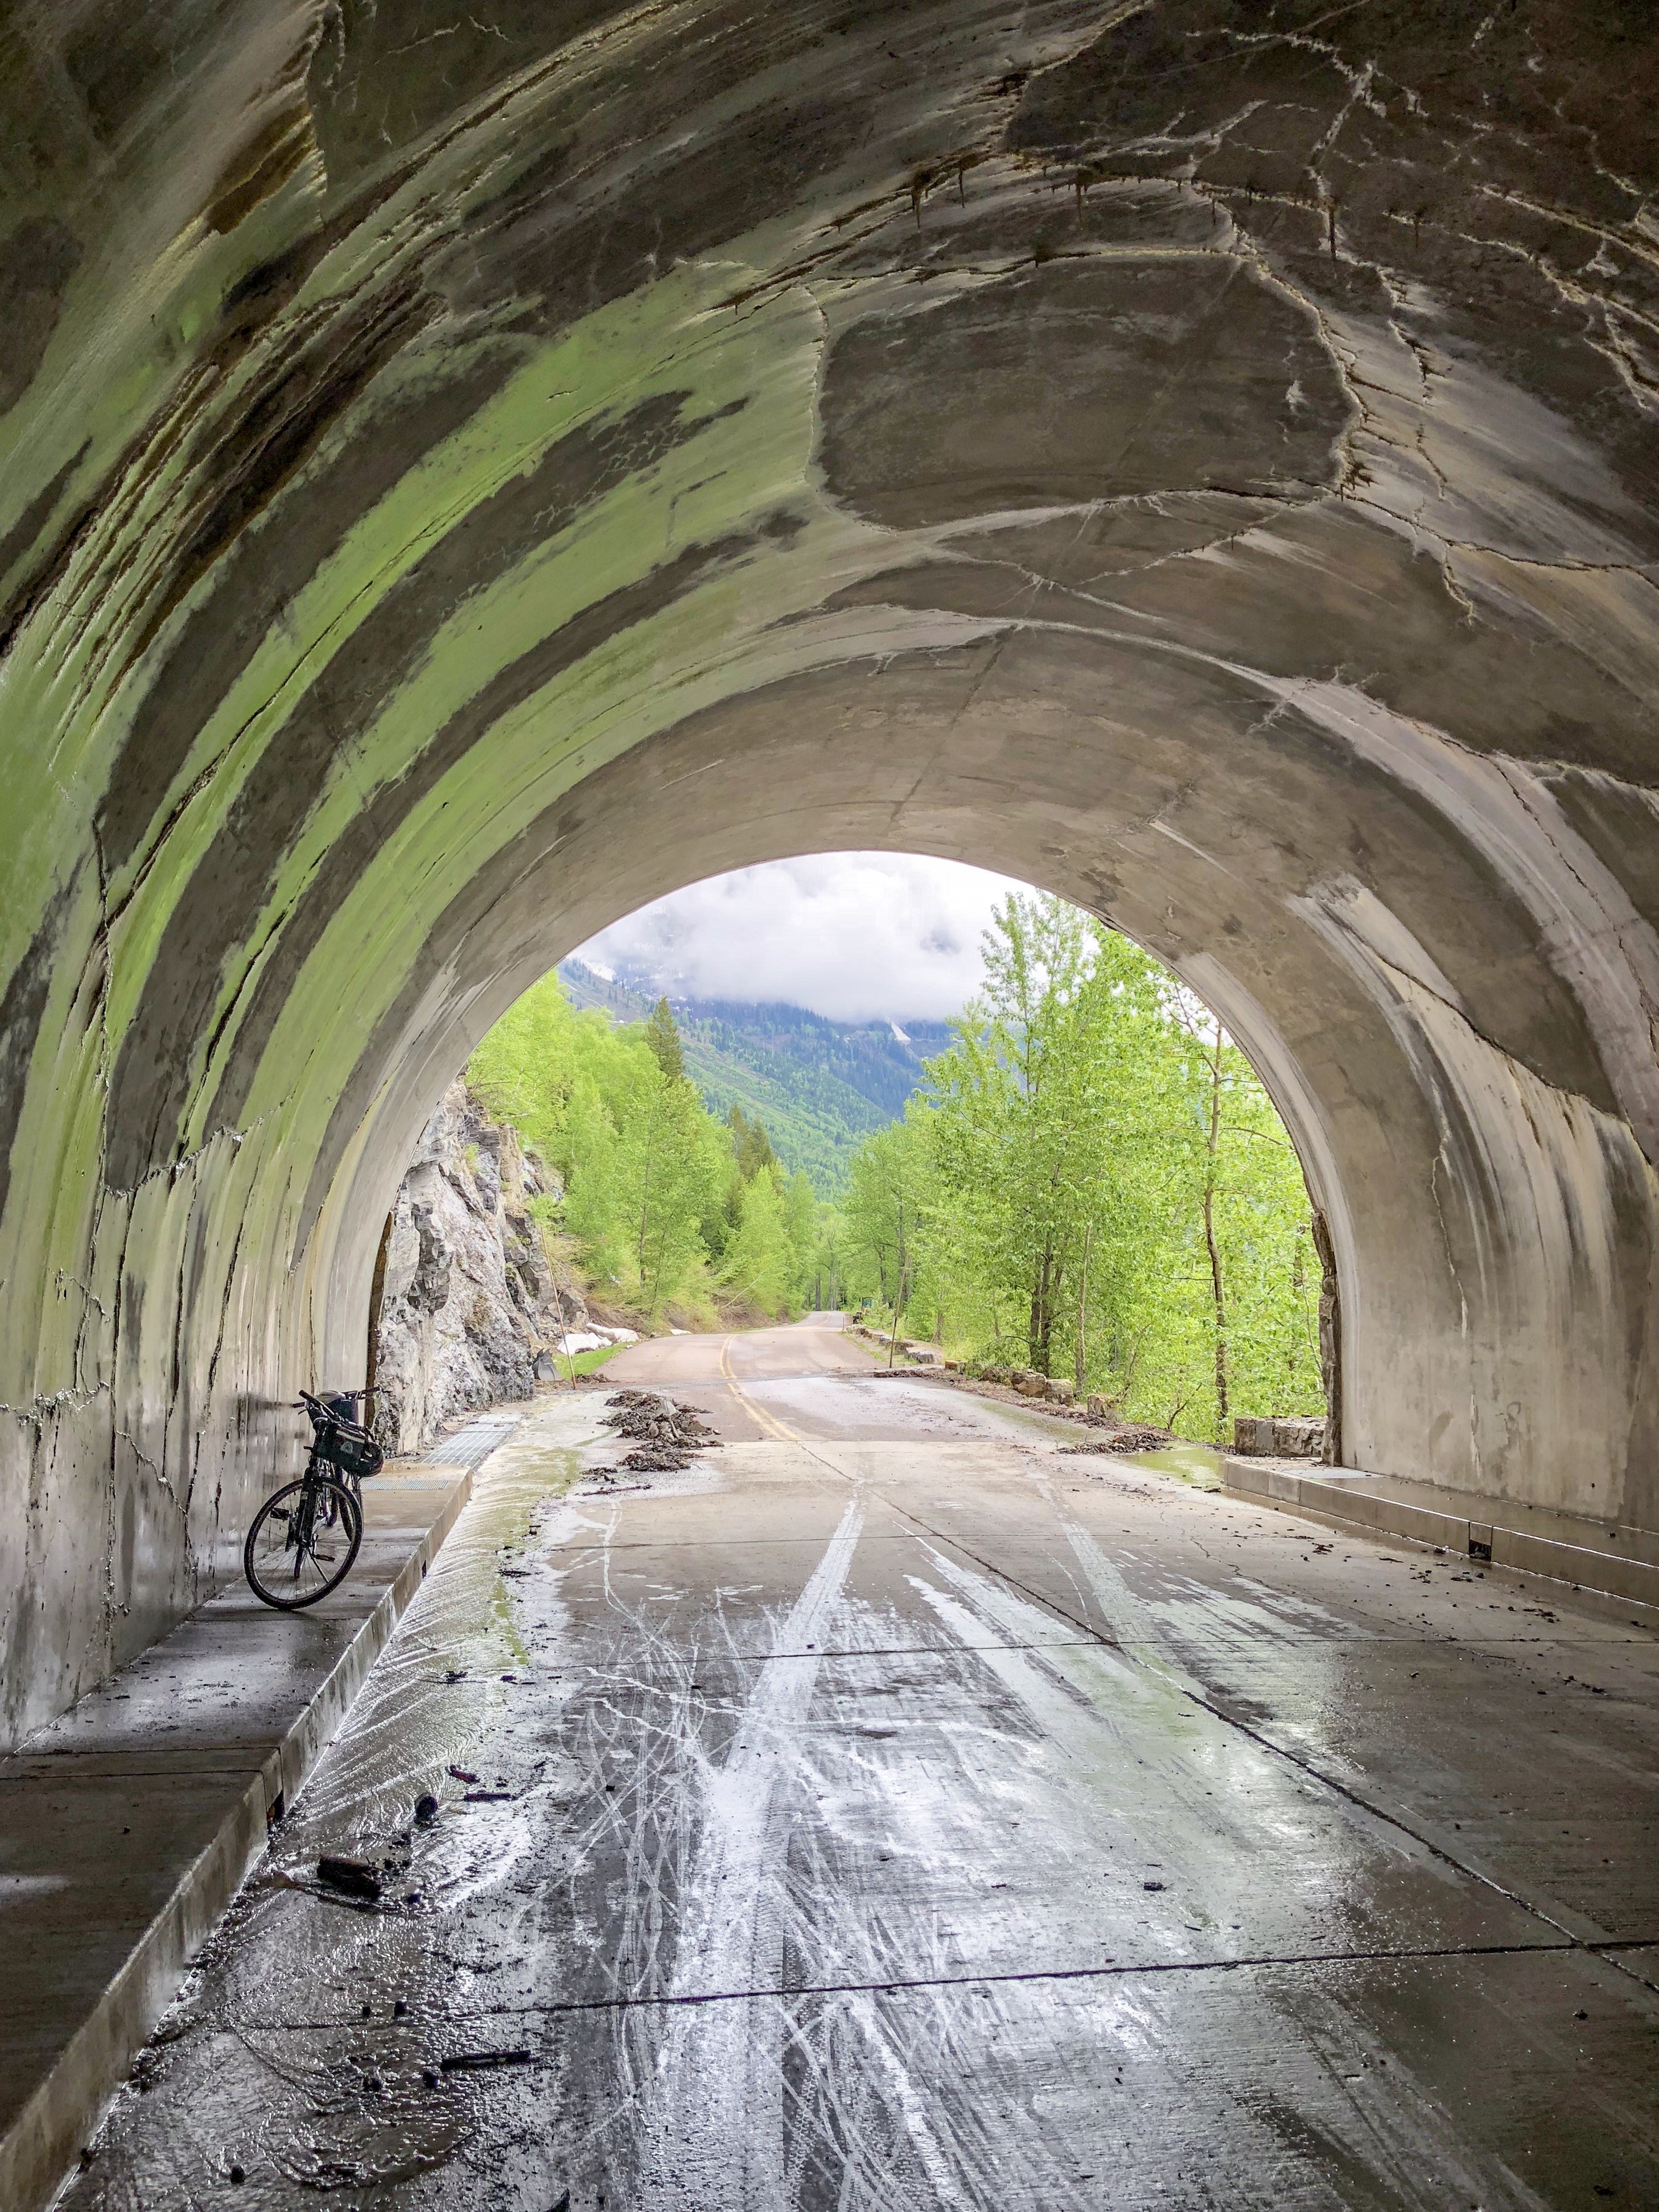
[854, 936]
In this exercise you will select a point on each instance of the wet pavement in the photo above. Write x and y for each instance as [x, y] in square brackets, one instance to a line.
[128, 1823]
[895, 1811]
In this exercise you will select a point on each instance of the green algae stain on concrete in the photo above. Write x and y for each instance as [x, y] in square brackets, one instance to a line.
[700, 506]
[718, 243]
[616, 360]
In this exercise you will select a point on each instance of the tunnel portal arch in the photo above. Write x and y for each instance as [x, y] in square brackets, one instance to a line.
[1191, 458]
[377, 1148]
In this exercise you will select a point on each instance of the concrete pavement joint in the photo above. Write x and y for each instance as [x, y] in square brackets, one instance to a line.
[1281, 1751]
[1423, 1643]
[1107, 1971]
[877, 1652]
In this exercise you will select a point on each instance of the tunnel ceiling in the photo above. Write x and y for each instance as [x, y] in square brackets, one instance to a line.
[464, 469]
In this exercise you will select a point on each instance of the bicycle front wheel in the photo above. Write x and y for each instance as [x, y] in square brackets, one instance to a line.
[302, 1543]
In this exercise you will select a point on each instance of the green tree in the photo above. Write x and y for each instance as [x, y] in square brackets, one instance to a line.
[662, 1033]
[886, 1201]
[642, 1163]
[827, 1282]
[660, 1182]
[1100, 1186]
[761, 1264]
[800, 1221]
[1036, 1100]
[529, 1067]
[751, 1144]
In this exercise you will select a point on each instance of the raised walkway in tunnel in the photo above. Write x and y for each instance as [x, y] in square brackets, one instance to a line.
[893, 1810]
[126, 1825]
[1616, 1562]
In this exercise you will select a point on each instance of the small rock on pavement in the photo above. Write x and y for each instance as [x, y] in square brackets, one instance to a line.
[349, 1876]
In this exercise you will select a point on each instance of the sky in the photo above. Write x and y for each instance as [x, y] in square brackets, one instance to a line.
[853, 936]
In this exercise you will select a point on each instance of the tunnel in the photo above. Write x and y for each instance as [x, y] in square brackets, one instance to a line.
[469, 472]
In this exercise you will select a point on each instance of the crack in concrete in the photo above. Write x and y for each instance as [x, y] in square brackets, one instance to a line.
[46, 1405]
[1367, 956]
[173, 1170]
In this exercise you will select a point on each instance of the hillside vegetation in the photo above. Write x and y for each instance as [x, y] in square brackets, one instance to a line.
[669, 1213]
[1085, 1177]
[816, 1085]
[1093, 1183]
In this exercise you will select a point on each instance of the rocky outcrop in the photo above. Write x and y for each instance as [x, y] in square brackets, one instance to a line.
[471, 1308]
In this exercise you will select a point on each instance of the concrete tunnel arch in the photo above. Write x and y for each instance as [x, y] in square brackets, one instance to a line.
[352, 1217]
[348, 1241]
[1197, 459]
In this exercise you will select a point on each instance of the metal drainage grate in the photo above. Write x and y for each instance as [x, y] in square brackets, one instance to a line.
[474, 1442]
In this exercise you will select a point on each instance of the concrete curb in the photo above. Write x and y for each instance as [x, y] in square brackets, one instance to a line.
[40, 2149]
[1340, 1500]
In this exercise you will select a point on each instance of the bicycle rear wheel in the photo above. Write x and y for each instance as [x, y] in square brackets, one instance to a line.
[302, 1543]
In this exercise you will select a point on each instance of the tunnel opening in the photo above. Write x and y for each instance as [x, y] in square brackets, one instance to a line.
[998, 1127]
[249, 1259]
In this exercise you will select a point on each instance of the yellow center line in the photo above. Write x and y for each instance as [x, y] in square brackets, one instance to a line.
[758, 1414]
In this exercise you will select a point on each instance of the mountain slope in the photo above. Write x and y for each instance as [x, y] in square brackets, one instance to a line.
[817, 1086]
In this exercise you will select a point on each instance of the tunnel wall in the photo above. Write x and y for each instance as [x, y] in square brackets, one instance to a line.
[460, 479]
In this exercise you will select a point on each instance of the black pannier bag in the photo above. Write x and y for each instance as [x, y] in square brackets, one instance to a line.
[355, 1451]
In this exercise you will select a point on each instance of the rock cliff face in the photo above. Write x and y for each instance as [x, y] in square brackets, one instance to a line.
[471, 1311]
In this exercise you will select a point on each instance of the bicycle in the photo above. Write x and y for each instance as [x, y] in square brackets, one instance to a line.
[306, 1536]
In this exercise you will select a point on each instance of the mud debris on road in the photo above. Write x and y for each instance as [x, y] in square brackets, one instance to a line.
[1123, 1440]
[351, 1877]
[668, 1430]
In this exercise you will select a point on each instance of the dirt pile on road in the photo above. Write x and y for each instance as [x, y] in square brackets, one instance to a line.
[1124, 1440]
[667, 1431]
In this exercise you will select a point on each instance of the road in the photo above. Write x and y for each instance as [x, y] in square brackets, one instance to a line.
[812, 1379]
[894, 1811]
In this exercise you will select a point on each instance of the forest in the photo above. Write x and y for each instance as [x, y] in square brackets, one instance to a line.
[672, 1215]
[817, 1086]
[1089, 1180]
